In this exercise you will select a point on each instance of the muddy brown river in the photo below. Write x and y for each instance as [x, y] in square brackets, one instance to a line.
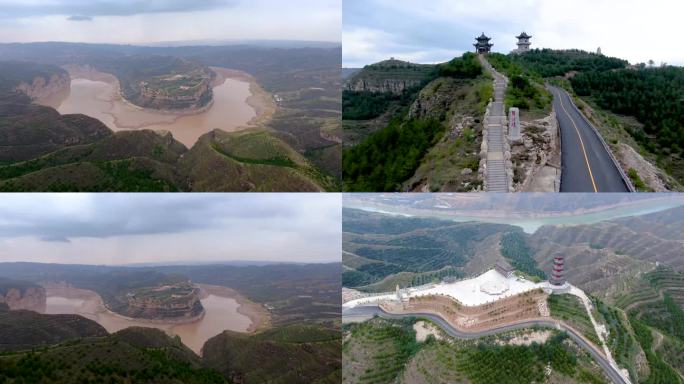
[96, 94]
[221, 313]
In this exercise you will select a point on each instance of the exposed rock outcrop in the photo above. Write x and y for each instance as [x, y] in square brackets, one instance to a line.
[31, 298]
[394, 76]
[395, 86]
[536, 159]
[43, 86]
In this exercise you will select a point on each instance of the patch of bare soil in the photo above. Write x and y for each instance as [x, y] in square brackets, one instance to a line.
[538, 337]
[424, 329]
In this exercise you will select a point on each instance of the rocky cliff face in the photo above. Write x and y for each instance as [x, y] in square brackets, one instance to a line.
[393, 76]
[169, 303]
[43, 86]
[32, 299]
[395, 86]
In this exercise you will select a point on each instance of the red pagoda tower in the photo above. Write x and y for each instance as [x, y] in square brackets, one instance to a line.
[557, 273]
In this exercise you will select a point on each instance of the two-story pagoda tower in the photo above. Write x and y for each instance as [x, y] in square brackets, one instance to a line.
[483, 45]
[523, 42]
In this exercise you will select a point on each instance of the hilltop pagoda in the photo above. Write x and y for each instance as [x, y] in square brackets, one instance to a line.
[523, 42]
[483, 45]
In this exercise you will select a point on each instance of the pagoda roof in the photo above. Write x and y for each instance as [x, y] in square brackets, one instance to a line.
[523, 35]
[483, 37]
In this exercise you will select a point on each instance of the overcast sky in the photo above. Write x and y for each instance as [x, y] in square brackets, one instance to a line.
[438, 30]
[156, 228]
[147, 21]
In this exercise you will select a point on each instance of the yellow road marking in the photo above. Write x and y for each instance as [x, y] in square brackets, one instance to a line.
[586, 158]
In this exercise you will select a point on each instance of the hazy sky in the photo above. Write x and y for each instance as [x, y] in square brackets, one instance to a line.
[144, 21]
[155, 228]
[438, 30]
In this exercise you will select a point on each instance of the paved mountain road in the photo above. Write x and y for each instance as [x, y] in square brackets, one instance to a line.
[587, 165]
[369, 311]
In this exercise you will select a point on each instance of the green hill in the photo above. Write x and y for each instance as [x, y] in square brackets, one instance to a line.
[292, 354]
[411, 127]
[386, 351]
[26, 330]
[382, 251]
[131, 355]
[249, 161]
[41, 150]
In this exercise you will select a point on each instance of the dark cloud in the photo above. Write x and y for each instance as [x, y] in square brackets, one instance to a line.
[55, 239]
[53, 218]
[93, 8]
[79, 18]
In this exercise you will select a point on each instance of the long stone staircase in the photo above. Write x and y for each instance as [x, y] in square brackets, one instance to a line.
[494, 162]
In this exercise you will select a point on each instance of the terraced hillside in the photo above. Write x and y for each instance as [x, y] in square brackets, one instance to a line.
[631, 268]
[384, 351]
[382, 251]
[607, 258]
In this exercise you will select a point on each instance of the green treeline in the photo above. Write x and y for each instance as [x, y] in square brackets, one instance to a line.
[464, 67]
[515, 248]
[364, 105]
[521, 92]
[389, 156]
[660, 371]
[487, 364]
[655, 96]
[548, 62]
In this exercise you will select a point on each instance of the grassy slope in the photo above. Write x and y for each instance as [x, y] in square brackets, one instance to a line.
[26, 330]
[569, 309]
[130, 355]
[443, 165]
[149, 161]
[293, 354]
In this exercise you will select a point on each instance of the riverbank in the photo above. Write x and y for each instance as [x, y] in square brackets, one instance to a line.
[262, 101]
[238, 103]
[258, 315]
[224, 309]
[95, 308]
